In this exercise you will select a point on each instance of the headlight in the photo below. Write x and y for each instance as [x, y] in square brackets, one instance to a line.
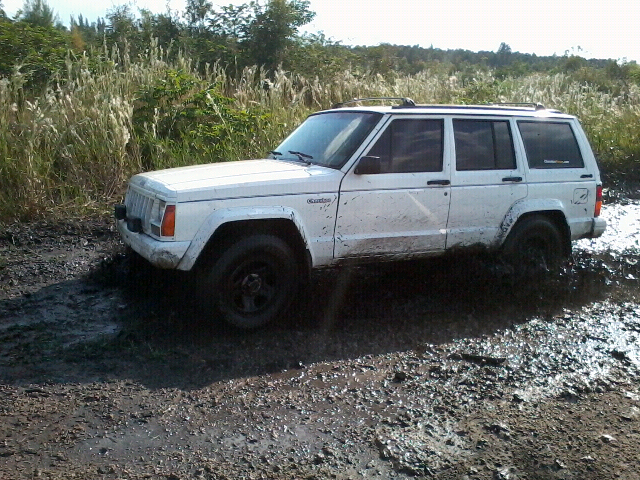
[161, 206]
[164, 219]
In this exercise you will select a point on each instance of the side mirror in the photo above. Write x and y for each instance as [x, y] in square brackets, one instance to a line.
[368, 165]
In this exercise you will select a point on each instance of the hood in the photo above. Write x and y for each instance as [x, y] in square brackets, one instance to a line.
[248, 178]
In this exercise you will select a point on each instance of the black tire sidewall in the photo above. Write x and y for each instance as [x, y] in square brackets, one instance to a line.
[534, 229]
[274, 251]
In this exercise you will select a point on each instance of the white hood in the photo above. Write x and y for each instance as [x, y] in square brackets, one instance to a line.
[248, 178]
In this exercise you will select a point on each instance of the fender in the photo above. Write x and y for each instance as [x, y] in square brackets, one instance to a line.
[522, 207]
[222, 216]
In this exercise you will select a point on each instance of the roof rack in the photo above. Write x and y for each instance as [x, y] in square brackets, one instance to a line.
[409, 103]
[406, 102]
[536, 106]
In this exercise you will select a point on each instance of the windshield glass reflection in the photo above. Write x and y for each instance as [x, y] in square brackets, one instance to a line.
[327, 139]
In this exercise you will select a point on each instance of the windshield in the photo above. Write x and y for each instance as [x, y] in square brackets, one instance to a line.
[327, 139]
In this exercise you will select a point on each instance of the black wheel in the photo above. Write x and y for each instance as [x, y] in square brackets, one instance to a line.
[535, 245]
[253, 281]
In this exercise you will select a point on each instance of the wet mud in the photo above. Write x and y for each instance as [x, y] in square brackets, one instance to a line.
[447, 368]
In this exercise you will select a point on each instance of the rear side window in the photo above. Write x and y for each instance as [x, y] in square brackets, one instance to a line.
[483, 145]
[410, 145]
[550, 145]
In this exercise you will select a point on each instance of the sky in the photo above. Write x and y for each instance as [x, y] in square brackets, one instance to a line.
[588, 28]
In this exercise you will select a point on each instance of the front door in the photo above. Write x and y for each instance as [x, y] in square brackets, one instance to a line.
[401, 211]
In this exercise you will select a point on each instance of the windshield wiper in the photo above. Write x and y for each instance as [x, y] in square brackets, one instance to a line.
[274, 153]
[303, 157]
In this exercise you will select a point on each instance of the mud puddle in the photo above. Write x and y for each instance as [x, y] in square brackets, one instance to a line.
[622, 233]
[442, 369]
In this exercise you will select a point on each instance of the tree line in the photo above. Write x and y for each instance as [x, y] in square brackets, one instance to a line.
[36, 44]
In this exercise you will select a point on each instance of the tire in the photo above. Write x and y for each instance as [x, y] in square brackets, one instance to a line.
[534, 245]
[253, 281]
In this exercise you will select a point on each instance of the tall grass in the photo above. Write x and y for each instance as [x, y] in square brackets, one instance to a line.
[72, 148]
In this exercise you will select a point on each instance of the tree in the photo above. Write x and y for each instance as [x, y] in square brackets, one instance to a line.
[274, 29]
[77, 42]
[504, 49]
[503, 55]
[89, 33]
[316, 54]
[123, 30]
[233, 21]
[196, 13]
[165, 27]
[39, 14]
[37, 51]
[572, 63]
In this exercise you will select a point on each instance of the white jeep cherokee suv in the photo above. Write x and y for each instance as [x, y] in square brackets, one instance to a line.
[369, 184]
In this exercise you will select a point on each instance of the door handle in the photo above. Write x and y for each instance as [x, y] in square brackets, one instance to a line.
[438, 182]
[586, 176]
[512, 179]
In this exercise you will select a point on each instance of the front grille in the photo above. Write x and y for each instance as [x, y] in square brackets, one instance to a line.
[139, 206]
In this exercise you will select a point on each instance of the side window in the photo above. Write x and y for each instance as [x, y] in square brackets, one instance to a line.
[550, 145]
[483, 145]
[410, 145]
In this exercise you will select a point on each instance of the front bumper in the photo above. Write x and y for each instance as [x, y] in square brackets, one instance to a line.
[161, 254]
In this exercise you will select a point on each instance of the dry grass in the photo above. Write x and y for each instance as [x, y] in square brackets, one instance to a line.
[74, 146]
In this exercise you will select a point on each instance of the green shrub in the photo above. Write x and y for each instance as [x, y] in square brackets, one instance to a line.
[37, 51]
[181, 115]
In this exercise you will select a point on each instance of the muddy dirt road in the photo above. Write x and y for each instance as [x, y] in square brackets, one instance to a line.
[448, 369]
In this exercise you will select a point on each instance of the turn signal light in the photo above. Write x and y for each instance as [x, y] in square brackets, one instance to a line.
[168, 227]
[596, 212]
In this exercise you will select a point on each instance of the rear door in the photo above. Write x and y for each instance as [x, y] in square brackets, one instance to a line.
[487, 178]
[401, 211]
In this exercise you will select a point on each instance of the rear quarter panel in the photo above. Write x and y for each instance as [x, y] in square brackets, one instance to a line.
[573, 190]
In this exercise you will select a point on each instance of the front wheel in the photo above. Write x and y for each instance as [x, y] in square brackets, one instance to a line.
[534, 245]
[253, 281]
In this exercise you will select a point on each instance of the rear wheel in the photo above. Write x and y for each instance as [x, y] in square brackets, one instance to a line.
[535, 245]
[253, 281]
